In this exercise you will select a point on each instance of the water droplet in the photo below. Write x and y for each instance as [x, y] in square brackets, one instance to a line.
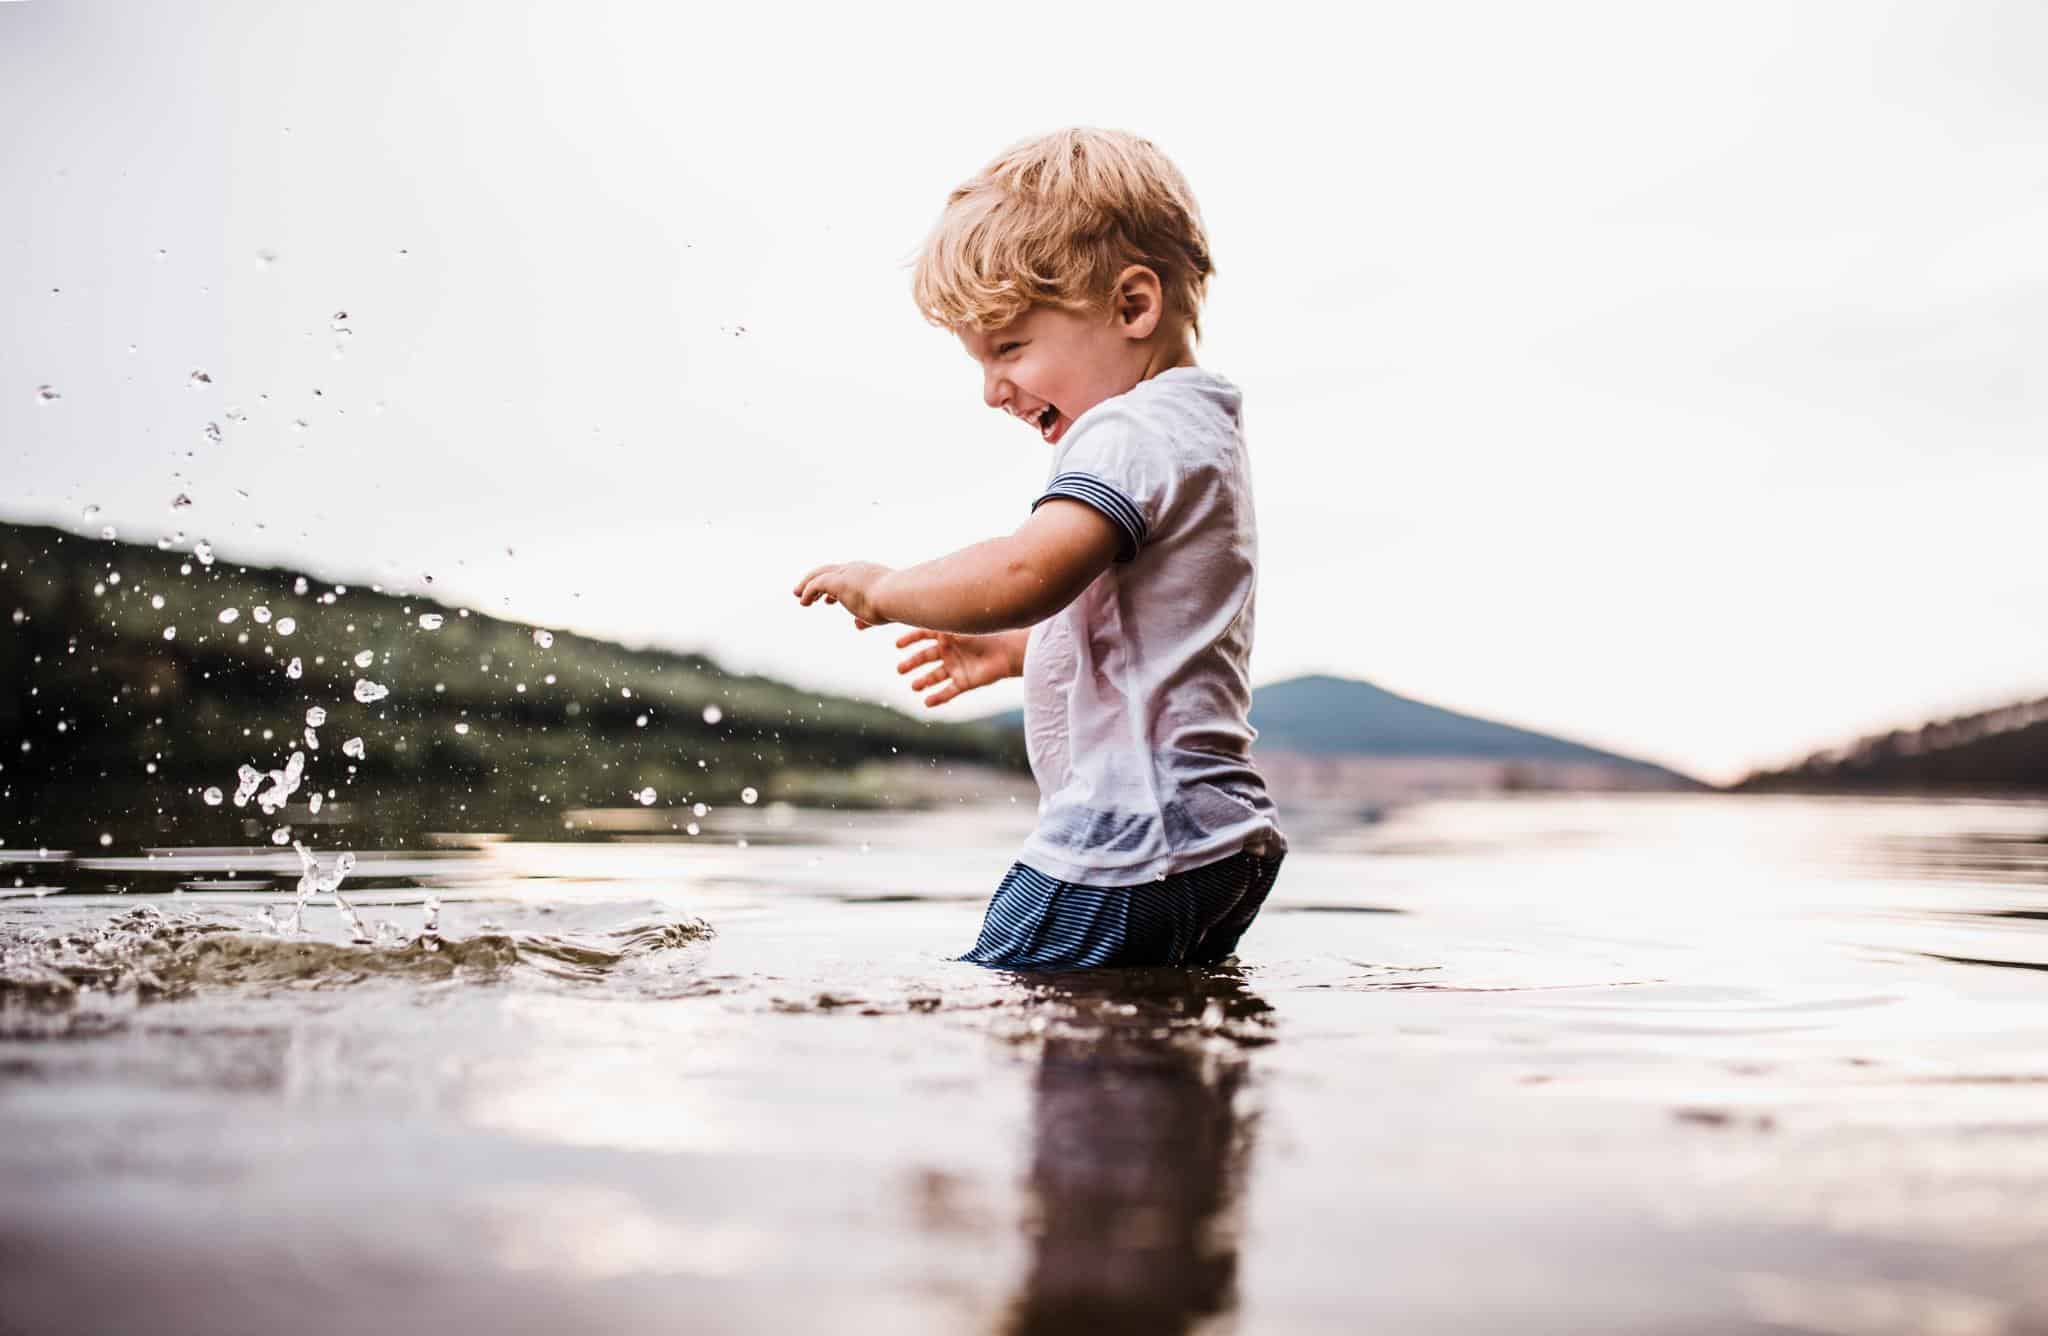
[712, 714]
[47, 395]
[543, 638]
[198, 378]
[692, 828]
[462, 728]
[282, 835]
[213, 797]
[265, 258]
[698, 809]
[431, 621]
[170, 633]
[261, 614]
[299, 585]
[646, 797]
[156, 601]
[298, 424]
[749, 796]
[294, 669]
[312, 740]
[353, 748]
[287, 625]
[228, 616]
[180, 501]
[314, 803]
[640, 722]
[340, 319]
[107, 532]
[106, 840]
[368, 692]
[89, 514]
[626, 692]
[366, 658]
[204, 551]
[315, 717]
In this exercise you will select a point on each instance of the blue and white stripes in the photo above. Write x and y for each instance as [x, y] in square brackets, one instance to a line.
[1190, 918]
[1093, 491]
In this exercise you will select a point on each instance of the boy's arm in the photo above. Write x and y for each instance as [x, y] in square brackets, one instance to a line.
[996, 585]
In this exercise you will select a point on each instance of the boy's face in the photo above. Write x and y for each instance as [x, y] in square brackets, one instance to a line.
[1049, 366]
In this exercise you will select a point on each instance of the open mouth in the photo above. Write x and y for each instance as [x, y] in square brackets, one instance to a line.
[1047, 420]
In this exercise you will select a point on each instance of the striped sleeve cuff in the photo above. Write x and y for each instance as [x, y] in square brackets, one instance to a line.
[1114, 505]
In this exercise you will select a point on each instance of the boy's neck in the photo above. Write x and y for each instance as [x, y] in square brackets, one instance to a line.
[1174, 350]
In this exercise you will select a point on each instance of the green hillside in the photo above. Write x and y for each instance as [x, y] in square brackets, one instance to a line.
[124, 695]
[1992, 751]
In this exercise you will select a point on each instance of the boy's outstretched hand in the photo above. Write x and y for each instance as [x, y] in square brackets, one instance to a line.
[963, 662]
[851, 584]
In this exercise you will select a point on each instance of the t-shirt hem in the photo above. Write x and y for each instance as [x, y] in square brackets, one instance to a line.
[1152, 869]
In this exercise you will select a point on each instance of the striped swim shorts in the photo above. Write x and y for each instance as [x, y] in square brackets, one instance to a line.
[1190, 918]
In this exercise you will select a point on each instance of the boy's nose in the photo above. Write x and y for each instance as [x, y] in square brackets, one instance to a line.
[995, 391]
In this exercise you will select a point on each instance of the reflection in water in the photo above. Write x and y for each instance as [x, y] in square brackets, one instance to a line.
[1139, 1149]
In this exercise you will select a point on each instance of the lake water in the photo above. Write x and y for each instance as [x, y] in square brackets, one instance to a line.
[1697, 1064]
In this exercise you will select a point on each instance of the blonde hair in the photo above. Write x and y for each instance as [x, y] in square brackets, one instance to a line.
[1052, 222]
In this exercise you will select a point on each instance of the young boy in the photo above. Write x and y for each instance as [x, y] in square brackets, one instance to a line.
[1072, 268]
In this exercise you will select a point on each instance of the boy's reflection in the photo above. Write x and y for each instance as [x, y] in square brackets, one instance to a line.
[1139, 1149]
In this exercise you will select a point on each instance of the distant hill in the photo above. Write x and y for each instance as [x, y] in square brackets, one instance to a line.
[2005, 749]
[1330, 721]
[132, 679]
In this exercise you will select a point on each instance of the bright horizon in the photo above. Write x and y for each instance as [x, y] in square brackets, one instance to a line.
[1658, 381]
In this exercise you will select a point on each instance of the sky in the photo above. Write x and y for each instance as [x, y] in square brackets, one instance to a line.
[1669, 378]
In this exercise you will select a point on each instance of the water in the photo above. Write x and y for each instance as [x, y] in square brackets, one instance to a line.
[1596, 1065]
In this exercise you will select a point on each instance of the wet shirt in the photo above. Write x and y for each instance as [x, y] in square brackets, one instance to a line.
[1136, 694]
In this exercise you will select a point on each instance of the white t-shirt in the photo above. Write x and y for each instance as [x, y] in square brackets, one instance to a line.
[1136, 693]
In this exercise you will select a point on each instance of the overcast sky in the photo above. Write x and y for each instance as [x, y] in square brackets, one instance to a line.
[1667, 377]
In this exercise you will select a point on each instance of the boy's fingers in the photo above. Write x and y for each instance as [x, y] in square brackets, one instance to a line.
[941, 696]
[935, 675]
[911, 636]
[928, 654]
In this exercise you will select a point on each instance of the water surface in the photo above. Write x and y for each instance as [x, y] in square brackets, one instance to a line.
[1572, 1065]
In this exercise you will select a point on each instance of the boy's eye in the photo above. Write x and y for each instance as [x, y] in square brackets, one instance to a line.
[1004, 348]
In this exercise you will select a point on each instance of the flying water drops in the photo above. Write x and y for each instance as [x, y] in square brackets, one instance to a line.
[204, 551]
[260, 613]
[295, 669]
[315, 717]
[287, 625]
[749, 796]
[47, 395]
[366, 658]
[353, 748]
[431, 621]
[181, 501]
[712, 714]
[543, 638]
[229, 616]
[646, 797]
[368, 692]
[212, 796]
[197, 379]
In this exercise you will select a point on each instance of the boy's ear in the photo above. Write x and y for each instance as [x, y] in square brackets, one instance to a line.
[1138, 302]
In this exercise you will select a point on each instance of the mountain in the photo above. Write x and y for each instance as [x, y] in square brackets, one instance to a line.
[1319, 735]
[133, 679]
[1992, 751]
